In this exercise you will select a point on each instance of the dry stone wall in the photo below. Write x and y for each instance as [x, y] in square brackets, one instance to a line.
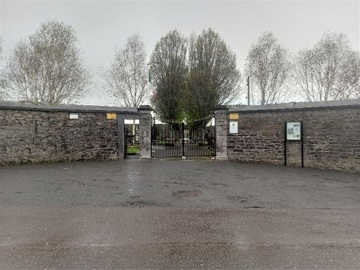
[331, 135]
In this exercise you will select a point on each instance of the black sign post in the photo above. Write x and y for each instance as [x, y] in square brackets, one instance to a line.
[293, 131]
[302, 145]
[285, 144]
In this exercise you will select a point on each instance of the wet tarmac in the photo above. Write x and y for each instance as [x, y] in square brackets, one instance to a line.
[177, 214]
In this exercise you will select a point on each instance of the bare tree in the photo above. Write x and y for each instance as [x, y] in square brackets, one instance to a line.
[328, 71]
[169, 70]
[3, 93]
[127, 78]
[269, 66]
[47, 68]
[213, 77]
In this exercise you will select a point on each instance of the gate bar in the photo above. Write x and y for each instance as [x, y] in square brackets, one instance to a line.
[183, 139]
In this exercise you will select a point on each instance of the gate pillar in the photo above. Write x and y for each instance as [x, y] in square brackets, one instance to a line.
[221, 126]
[145, 131]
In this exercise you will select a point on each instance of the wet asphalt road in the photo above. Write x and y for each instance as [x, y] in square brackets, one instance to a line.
[175, 214]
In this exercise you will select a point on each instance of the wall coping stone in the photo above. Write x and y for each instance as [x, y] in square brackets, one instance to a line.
[145, 108]
[300, 106]
[28, 106]
[221, 108]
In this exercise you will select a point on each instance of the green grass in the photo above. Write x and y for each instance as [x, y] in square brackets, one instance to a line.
[133, 150]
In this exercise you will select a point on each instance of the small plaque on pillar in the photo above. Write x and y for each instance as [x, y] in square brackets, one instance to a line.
[111, 116]
[234, 116]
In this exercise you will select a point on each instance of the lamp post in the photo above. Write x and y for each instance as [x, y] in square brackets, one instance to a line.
[248, 88]
[148, 64]
[150, 88]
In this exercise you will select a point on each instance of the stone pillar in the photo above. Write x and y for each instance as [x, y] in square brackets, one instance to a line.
[145, 131]
[121, 137]
[221, 125]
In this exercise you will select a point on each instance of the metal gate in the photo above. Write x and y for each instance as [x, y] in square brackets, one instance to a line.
[183, 139]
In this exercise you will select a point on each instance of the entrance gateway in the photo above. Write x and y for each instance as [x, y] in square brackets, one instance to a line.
[189, 139]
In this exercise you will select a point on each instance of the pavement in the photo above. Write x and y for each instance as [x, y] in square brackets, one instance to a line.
[178, 214]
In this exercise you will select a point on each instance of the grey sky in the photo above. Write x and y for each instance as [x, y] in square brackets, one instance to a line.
[103, 26]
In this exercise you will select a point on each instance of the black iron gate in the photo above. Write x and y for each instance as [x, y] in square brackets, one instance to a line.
[183, 139]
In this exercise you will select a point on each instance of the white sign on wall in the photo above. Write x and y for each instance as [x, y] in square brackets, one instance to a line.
[293, 131]
[73, 116]
[233, 127]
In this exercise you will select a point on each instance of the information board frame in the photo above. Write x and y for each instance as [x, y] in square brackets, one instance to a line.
[294, 135]
[293, 131]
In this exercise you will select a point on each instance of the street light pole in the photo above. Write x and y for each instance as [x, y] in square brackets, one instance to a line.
[149, 72]
[248, 88]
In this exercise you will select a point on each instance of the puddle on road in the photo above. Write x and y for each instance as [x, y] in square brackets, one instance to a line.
[187, 193]
[237, 199]
[220, 184]
[136, 201]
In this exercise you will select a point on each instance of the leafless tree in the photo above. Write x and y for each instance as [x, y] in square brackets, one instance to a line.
[169, 70]
[3, 93]
[269, 67]
[213, 77]
[46, 67]
[127, 77]
[328, 71]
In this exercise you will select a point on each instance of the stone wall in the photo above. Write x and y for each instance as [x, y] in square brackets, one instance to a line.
[31, 134]
[331, 135]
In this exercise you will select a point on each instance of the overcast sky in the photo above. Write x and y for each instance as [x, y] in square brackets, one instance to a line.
[103, 26]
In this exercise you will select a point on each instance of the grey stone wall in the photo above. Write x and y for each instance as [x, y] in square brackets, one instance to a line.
[331, 135]
[32, 133]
